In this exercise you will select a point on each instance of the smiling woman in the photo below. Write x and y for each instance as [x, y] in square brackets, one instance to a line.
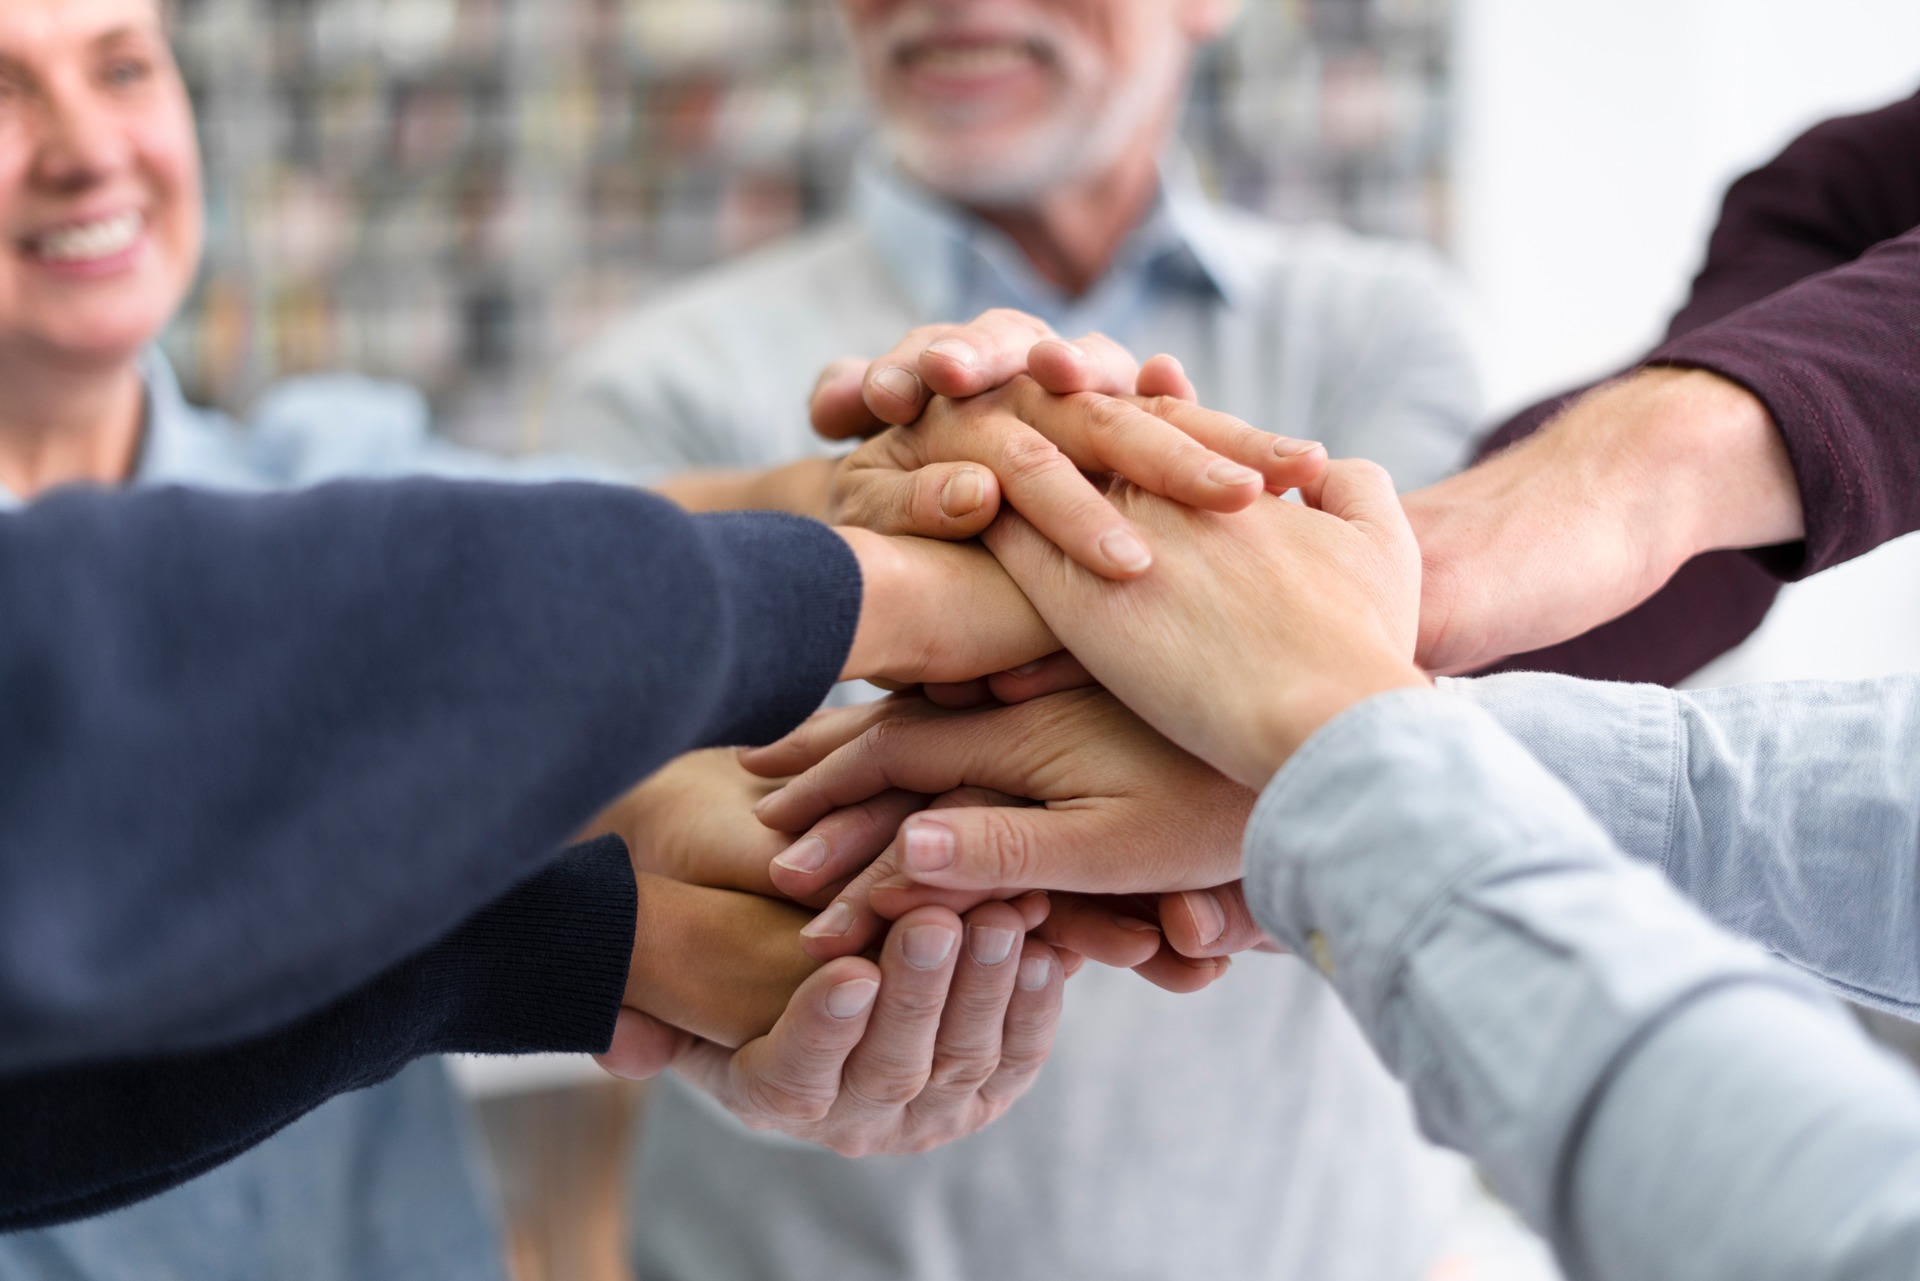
[101, 214]
[101, 207]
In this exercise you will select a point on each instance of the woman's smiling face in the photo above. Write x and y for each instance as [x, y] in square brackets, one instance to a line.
[100, 199]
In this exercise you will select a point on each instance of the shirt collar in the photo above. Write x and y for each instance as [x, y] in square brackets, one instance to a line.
[182, 444]
[951, 263]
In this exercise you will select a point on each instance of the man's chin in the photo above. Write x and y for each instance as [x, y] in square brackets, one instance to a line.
[987, 171]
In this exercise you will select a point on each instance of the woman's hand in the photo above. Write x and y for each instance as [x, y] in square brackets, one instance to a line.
[1254, 628]
[1115, 807]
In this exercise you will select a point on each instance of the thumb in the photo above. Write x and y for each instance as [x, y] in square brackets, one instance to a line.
[643, 1047]
[1360, 493]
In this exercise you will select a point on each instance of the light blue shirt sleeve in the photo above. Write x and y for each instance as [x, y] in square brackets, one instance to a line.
[1660, 1098]
[1790, 813]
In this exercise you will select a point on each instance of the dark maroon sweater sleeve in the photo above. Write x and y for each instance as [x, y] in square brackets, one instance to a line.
[1836, 361]
[1837, 191]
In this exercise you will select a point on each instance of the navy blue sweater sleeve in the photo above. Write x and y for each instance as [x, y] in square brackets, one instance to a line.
[542, 968]
[259, 750]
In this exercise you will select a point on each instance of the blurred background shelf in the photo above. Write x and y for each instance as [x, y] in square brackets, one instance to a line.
[456, 192]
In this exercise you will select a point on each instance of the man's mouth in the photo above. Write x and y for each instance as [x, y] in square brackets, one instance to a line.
[88, 241]
[972, 59]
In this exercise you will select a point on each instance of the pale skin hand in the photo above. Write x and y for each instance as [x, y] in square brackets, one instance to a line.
[725, 963]
[1096, 781]
[932, 1043]
[1020, 416]
[1256, 628]
[1583, 521]
[915, 591]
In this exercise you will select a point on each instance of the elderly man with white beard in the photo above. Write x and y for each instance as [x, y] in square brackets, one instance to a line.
[1024, 160]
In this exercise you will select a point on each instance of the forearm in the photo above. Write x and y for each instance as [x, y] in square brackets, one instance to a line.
[332, 724]
[1755, 1136]
[1589, 517]
[1454, 892]
[540, 969]
[1759, 802]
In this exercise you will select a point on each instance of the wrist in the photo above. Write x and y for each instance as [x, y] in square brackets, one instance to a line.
[1306, 706]
[1711, 467]
[884, 587]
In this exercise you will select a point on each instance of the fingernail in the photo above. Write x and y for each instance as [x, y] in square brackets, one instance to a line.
[1123, 549]
[927, 946]
[956, 351]
[765, 802]
[898, 382]
[846, 1000]
[830, 924]
[1135, 924]
[1285, 448]
[1035, 973]
[963, 493]
[809, 855]
[929, 847]
[1231, 475]
[1028, 669]
[1209, 922]
[990, 946]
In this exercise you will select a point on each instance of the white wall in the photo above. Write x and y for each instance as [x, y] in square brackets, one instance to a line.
[1595, 138]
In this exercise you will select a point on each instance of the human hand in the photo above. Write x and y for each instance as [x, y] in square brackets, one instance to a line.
[1255, 628]
[929, 1045]
[1024, 411]
[1594, 513]
[857, 398]
[945, 476]
[1103, 795]
[719, 964]
[937, 611]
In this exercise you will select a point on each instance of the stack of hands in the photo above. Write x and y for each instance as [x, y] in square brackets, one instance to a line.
[1108, 627]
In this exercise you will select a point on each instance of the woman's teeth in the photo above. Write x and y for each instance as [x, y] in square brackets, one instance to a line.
[90, 241]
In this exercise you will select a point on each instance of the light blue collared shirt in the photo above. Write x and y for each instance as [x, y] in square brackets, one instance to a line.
[384, 1184]
[950, 263]
[1662, 1098]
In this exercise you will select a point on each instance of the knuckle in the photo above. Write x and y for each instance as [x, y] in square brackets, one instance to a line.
[1027, 457]
[1107, 417]
[888, 1089]
[962, 1073]
[1010, 847]
[783, 1104]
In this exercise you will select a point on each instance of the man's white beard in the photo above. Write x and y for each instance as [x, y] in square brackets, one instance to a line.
[1061, 150]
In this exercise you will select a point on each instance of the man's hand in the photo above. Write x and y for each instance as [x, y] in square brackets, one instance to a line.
[1583, 521]
[928, 1046]
[856, 398]
[1020, 413]
[1255, 627]
[1075, 775]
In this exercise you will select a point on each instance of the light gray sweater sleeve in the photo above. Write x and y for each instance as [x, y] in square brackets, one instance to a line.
[1658, 1097]
[1789, 812]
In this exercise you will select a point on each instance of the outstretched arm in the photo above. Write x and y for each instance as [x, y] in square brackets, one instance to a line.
[1660, 1099]
[261, 749]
